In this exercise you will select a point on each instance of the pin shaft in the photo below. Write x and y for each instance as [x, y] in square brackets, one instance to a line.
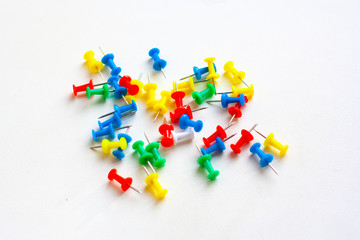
[187, 77]
[273, 168]
[229, 137]
[199, 109]
[134, 189]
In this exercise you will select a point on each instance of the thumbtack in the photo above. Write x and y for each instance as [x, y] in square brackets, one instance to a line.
[245, 138]
[145, 157]
[165, 130]
[82, 88]
[93, 65]
[152, 182]
[119, 92]
[104, 91]
[204, 162]
[106, 145]
[270, 141]
[265, 158]
[212, 72]
[198, 72]
[160, 106]
[125, 81]
[185, 86]
[125, 182]
[220, 132]
[108, 60]
[123, 109]
[188, 134]
[149, 97]
[217, 146]
[225, 100]
[235, 76]
[248, 92]
[199, 97]
[119, 154]
[159, 64]
[153, 148]
[186, 122]
[106, 131]
[235, 111]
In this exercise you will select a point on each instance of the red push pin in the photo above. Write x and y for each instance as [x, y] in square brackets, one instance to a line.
[82, 88]
[220, 132]
[125, 81]
[235, 111]
[246, 137]
[178, 96]
[165, 130]
[125, 182]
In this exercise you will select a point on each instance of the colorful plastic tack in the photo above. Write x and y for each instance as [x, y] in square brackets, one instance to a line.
[178, 97]
[103, 132]
[186, 122]
[93, 65]
[236, 77]
[125, 81]
[225, 100]
[138, 83]
[119, 154]
[160, 106]
[82, 88]
[123, 109]
[198, 72]
[104, 91]
[108, 60]
[115, 121]
[165, 130]
[188, 134]
[125, 182]
[217, 146]
[246, 137]
[199, 97]
[119, 92]
[205, 162]
[235, 111]
[152, 182]
[249, 91]
[212, 72]
[159, 64]
[185, 86]
[107, 146]
[145, 157]
[265, 158]
[178, 112]
[270, 141]
[149, 97]
[220, 132]
[153, 148]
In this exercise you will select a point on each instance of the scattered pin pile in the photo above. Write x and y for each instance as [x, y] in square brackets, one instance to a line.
[130, 90]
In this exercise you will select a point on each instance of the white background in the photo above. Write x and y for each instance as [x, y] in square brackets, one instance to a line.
[301, 56]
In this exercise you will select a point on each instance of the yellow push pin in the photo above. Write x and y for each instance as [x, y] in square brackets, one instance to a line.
[235, 76]
[139, 84]
[184, 86]
[154, 186]
[270, 141]
[212, 73]
[106, 145]
[93, 65]
[149, 95]
[160, 107]
[249, 91]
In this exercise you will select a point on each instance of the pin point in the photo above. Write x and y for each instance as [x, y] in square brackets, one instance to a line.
[235, 76]
[149, 97]
[220, 132]
[270, 141]
[125, 182]
[145, 157]
[212, 72]
[204, 162]
[199, 97]
[159, 64]
[160, 106]
[153, 148]
[119, 154]
[93, 65]
[104, 91]
[152, 182]
[188, 134]
[108, 60]
[186, 122]
[198, 72]
[123, 109]
[225, 100]
[125, 81]
[82, 88]
[265, 158]
[165, 130]
[107, 146]
[245, 138]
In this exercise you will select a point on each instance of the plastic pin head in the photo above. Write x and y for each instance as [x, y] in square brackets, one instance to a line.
[93, 65]
[186, 122]
[152, 182]
[158, 62]
[270, 141]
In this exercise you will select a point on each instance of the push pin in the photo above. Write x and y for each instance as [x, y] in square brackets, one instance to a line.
[204, 162]
[188, 134]
[212, 72]
[248, 92]
[152, 182]
[245, 138]
[217, 146]
[186, 122]
[149, 97]
[106, 145]
[160, 106]
[165, 130]
[265, 158]
[235, 111]
[198, 72]
[153, 148]
[184, 86]
[82, 88]
[104, 91]
[123, 109]
[220, 132]
[108, 60]
[145, 157]
[225, 100]
[106, 131]
[159, 64]
[139, 84]
[235, 76]
[119, 92]
[125, 182]
[119, 154]
[125, 81]
[93, 65]
[199, 97]
[270, 141]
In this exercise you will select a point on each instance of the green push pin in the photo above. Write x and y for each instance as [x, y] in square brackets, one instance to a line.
[204, 162]
[153, 148]
[145, 157]
[104, 91]
[199, 97]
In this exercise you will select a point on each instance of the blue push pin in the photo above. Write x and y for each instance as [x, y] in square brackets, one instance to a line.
[186, 122]
[265, 158]
[217, 146]
[119, 92]
[225, 100]
[115, 121]
[108, 60]
[102, 132]
[159, 64]
[126, 109]
[119, 154]
[198, 72]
